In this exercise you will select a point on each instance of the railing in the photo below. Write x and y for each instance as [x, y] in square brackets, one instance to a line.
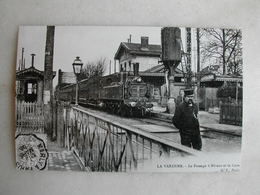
[105, 145]
[231, 113]
[29, 117]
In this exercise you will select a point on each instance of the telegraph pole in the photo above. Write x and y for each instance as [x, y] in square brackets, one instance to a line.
[198, 49]
[188, 48]
[198, 64]
[224, 51]
[48, 76]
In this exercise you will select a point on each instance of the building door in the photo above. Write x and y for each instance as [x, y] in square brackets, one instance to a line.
[31, 91]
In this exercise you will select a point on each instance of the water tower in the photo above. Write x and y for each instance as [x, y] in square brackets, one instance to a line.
[171, 58]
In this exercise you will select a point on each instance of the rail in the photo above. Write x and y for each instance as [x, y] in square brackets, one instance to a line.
[108, 145]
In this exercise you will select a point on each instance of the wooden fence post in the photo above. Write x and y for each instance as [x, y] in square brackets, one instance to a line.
[220, 113]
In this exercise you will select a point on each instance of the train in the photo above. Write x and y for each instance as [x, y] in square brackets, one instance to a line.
[123, 93]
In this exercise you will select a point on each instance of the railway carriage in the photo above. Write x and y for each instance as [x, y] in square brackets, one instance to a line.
[123, 93]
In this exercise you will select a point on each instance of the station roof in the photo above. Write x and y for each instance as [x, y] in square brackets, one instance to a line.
[135, 48]
[29, 72]
[160, 68]
[214, 77]
[66, 77]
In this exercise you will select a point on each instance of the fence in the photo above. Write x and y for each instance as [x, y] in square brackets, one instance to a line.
[213, 102]
[231, 113]
[105, 145]
[29, 117]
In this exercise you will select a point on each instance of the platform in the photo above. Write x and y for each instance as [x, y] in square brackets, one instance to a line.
[60, 159]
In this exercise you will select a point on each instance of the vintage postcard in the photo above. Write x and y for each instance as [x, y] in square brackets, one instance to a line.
[129, 99]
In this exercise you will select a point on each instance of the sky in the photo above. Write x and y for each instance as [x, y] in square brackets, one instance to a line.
[89, 42]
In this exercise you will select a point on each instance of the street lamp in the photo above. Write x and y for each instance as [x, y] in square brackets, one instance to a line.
[77, 66]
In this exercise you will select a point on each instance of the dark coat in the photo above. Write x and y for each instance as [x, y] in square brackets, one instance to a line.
[186, 119]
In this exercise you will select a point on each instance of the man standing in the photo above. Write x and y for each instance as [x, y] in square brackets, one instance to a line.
[180, 98]
[186, 120]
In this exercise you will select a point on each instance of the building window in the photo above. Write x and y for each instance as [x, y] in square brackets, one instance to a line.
[21, 89]
[125, 66]
[29, 88]
[35, 88]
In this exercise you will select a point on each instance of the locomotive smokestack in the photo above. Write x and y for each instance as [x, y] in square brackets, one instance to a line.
[32, 59]
[136, 69]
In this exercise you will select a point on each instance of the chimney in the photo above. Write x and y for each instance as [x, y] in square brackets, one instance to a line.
[22, 64]
[144, 42]
[32, 59]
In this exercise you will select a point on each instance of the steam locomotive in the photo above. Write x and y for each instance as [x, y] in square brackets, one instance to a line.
[123, 93]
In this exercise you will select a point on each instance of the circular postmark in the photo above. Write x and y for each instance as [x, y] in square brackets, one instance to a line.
[31, 152]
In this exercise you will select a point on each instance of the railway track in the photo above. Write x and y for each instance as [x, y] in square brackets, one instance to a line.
[154, 120]
[213, 139]
[151, 120]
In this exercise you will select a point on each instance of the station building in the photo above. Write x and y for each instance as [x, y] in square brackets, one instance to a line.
[147, 55]
[152, 71]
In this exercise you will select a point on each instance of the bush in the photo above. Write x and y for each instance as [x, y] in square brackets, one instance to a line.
[230, 91]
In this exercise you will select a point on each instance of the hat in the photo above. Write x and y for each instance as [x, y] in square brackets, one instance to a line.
[188, 92]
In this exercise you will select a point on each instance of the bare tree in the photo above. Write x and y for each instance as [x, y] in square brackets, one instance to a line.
[225, 46]
[93, 69]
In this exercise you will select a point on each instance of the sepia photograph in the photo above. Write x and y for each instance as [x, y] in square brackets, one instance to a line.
[129, 99]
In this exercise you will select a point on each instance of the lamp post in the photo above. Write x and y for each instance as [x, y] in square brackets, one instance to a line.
[77, 66]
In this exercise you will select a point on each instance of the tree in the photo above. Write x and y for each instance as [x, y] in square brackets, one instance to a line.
[93, 69]
[225, 46]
